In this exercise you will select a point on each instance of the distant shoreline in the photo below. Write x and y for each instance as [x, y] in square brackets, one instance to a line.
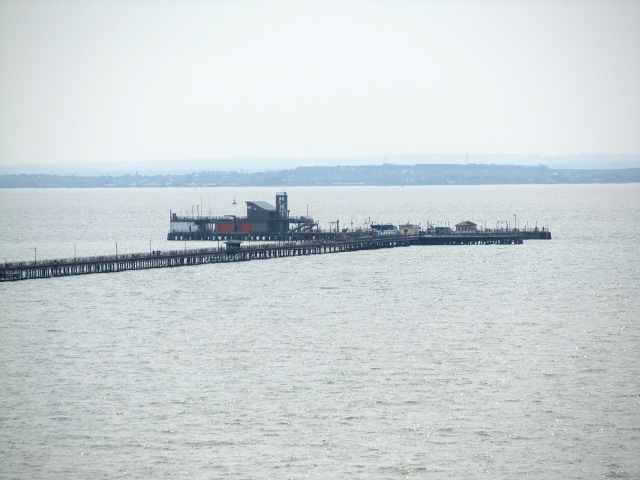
[356, 175]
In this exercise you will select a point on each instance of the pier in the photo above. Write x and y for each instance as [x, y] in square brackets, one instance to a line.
[232, 252]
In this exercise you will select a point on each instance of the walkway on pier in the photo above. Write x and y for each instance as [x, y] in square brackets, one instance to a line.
[526, 234]
[142, 261]
[256, 237]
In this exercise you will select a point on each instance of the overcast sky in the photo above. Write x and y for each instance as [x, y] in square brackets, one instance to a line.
[108, 81]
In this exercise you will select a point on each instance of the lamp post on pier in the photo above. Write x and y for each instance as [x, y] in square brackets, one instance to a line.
[35, 255]
[515, 222]
[116, 251]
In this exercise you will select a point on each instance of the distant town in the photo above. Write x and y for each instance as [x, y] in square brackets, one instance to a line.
[386, 174]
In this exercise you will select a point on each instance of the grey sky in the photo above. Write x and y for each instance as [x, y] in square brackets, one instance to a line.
[108, 81]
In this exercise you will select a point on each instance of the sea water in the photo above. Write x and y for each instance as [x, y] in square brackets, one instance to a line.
[480, 361]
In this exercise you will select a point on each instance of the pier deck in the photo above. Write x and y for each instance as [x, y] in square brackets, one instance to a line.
[13, 271]
[255, 237]
[326, 236]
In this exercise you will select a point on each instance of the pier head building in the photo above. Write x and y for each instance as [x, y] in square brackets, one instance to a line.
[262, 219]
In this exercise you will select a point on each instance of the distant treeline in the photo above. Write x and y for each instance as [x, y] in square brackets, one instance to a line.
[387, 174]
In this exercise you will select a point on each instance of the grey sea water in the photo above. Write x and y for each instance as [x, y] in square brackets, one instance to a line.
[421, 362]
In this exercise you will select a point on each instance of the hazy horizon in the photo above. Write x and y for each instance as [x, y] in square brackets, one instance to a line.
[252, 165]
[267, 85]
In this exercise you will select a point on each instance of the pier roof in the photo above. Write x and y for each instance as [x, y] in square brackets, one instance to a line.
[263, 205]
[467, 223]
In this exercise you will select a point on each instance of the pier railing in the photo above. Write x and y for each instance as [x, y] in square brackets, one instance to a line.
[525, 233]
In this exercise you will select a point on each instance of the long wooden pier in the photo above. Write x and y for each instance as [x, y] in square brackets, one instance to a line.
[13, 271]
